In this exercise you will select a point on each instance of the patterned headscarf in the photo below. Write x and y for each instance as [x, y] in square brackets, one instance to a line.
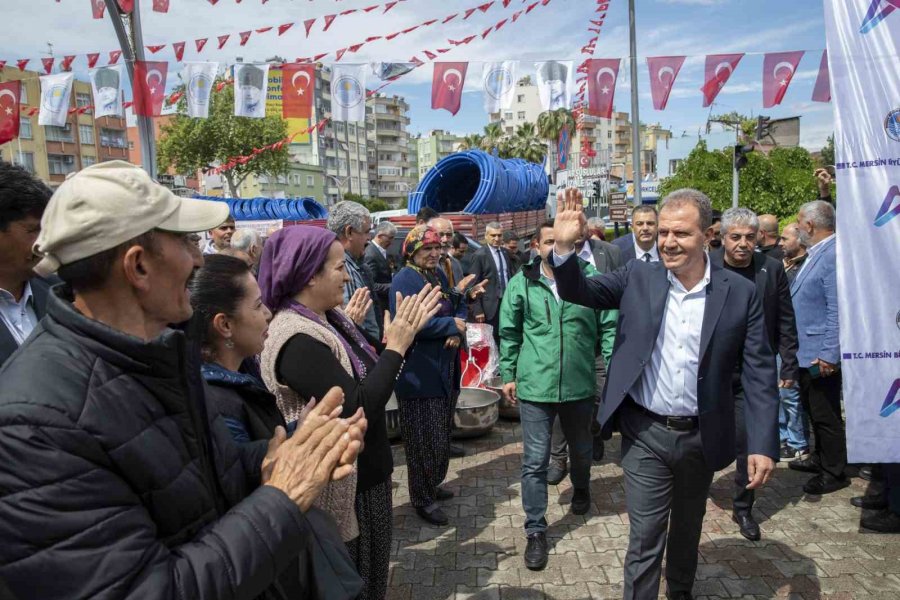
[419, 236]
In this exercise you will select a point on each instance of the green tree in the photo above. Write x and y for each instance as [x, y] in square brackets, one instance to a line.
[188, 144]
[526, 144]
[493, 135]
[777, 184]
[827, 153]
[550, 123]
[372, 204]
[748, 125]
[470, 142]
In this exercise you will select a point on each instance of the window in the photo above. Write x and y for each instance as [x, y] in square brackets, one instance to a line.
[82, 100]
[61, 164]
[351, 129]
[309, 181]
[58, 134]
[509, 130]
[520, 98]
[23, 95]
[507, 116]
[86, 133]
[87, 161]
[521, 115]
[25, 160]
[609, 134]
[25, 128]
[113, 138]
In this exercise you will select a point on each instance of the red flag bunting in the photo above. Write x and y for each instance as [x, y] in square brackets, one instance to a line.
[602, 75]
[778, 70]
[179, 50]
[200, 43]
[126, 5]
[245, 36]
[663, 71]
[531, 7]
[443, 50]
[10, 92]
[222, 40]
[2, 64]
[506, 3]
[213, 2]
[463, 41]
[371, 8]
[155, 49]
[450, 18]
[263, 30]
[92, 59]
[340, 53]
[308, 24]
[484, 7]
[161, 6]
[469, 12]
[500, 24]
[414, 60]
[347, 12]
[447, 84]
[98, 8]
[409, 29]
[431, 22]
[486, 32]
[430, 55]
[391, 36]
[149, 87]
[67, 62]
[329, 19]
[822, 89]
[373, 38]
[298, 91]
[319, 57]
[114, 56]
[390, 5]
[356, 47]
[283, 28]
[48, 64]
[516, 15]
[719, 68]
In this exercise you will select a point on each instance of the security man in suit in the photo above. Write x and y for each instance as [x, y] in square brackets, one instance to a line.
[23, 295]
[641, 243]
[740, 227]
[491, 262]
[379, 265]
[683, 326]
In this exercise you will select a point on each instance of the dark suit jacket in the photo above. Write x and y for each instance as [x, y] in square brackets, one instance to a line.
[733, 331]
[774, 291]
[40, 289]
[380, 272]
[607, 257]
[483, 267]
[624, 242]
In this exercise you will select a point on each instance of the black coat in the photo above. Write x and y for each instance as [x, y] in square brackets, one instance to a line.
[733, 331]
[40, 290]
[483, 267]
[251, 406]
[774, 290]
[380, 271]
[118, 483]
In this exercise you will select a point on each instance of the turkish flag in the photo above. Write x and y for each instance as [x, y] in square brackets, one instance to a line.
[126, 6]
[67, 62]
[200, 43]
[329, 19]
[447, 85]
[22, 63]
[222, 39]
[98, 8]
[48, 64]
[602, 75]
[161, 6]
[308, 25]
[245, 36]
[298, 86]
[149, 87]
[663, 71]
[9, 110]
[822, 89]
[285, 27]
[179, 50]
[719, 68]
[93, 57]
[114, 56]
[778, 70]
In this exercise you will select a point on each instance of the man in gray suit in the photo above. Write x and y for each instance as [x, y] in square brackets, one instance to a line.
[683, 326]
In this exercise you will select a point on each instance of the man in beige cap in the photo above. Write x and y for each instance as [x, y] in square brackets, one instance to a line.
[117, 480]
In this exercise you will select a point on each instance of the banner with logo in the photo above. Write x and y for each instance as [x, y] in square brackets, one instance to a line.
[56, 90]
[251, 84]
[498, 81]
[199, 78]
[863, 43]
[348, 92]
[106, 85]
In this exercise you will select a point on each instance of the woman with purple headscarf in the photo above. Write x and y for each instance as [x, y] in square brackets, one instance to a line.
[312, 346]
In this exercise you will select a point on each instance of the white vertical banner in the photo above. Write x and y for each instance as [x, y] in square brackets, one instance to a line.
[348, 92]
[555, 83]
[199, 78]
[106, 85]
[498, 83]
[251, 82]
[863, 47]
[56, 91]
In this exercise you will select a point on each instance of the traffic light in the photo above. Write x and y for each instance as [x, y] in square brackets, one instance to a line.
[597, 188]
[762, 128]
[740, 155]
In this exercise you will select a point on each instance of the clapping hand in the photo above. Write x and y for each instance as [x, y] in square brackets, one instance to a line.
[570, 220]
[412, 314]
[359, 305]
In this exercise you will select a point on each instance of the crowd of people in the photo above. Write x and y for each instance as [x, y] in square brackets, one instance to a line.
[205, 418]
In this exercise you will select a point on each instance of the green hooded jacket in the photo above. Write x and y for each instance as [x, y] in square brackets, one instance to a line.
[548, 346]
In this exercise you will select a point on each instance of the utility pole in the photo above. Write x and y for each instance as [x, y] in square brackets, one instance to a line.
[735, 168]
[131, 40]
[635, 116]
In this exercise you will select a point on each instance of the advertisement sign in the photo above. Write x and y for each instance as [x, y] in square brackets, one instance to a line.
[618, 207]
[274, 107]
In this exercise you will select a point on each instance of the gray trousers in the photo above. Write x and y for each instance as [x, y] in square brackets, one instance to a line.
[666, 485]
[559, 449]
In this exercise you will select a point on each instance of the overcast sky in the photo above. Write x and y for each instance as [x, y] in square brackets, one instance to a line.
[556, 31]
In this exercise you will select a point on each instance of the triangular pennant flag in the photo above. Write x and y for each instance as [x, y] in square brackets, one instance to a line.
[92, 59]
[778, 71]
[469, 12]
[822, 89]
[348, 12]
[371, 8]
[390, 5]
[516, 15]
[98, 8]
[340, 53]
[450, 18]
[48, 64]
[663, 71]
[283, 28]
[155, 49]
[415, 60]
[431, 22]
[392, 35]
[373, 38]
[329, 19]
[222, 40]
[67, 62]
[430, 55]
[245, 36]
[409, 29]
[213, 2]
[355, 47]
[506, 3]
[200, 43]
[179, 50]
[486, 32]
[443, 50]
[319, 57]
[161, 6]
[484, 7]
[500, 24]
[719, 68]
[531, 7]
[308, 24]
[126, 5]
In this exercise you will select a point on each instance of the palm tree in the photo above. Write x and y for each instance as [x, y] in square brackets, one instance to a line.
[551, 123]
[493, 134]
[470, 142]
[526, 144]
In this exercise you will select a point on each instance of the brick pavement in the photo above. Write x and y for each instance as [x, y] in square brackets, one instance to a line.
[811, 547]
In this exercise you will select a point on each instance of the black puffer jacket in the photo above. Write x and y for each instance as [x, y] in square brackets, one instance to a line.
[114, 481]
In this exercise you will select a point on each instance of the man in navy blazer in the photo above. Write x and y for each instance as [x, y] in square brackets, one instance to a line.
[683, 326]
[642, 242]
[814, 294]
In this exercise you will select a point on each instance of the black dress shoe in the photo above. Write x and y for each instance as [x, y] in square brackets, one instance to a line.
[824, 484]
[457, 451]
[581, 502]
[807, 465]
[443, 494]
[882, 522]
[871, 472]
[555, 474]
[749, 527]
[679, 596]
[599, 451]
[435, 516]
[536, 551]
[874, 502]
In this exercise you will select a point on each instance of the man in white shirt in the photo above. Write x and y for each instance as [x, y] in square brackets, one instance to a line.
[220, 237]
[641, 245]
[491, 262]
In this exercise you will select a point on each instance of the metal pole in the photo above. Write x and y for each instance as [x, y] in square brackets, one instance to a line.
[735, 174]
[131, 41]
[635, 116]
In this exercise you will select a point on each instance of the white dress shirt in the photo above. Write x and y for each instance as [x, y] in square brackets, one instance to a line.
[587, 254]
[640, 252]
[19, 317]
[380, 249]
[810, 252]
[500, 263]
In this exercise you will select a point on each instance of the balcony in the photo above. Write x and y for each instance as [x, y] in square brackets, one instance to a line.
[391, 147]
[392, 117]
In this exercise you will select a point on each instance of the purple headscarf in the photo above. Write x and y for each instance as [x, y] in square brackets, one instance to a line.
[291, 257]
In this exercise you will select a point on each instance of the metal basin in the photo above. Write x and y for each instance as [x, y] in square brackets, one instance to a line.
[507, 411]
[476, 413]
[392, 418]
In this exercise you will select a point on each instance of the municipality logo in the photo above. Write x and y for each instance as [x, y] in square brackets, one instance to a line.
[886, 213]
[892, 400]
[878, 11]
[892, 124]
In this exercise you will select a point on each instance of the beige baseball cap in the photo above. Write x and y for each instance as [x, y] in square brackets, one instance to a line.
[108, 204]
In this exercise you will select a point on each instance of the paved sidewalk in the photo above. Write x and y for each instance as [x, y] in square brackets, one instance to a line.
[811, 547]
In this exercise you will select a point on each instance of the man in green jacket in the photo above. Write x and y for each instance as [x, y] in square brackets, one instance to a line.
[547, 359]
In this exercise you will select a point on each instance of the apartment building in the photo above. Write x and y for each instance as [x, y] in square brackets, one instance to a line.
[389, 164]
[433, 147]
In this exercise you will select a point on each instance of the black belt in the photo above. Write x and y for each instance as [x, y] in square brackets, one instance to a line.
[673, 423]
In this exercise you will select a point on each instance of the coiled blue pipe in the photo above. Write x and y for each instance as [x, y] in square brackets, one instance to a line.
[264, 209]
[476, 182]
